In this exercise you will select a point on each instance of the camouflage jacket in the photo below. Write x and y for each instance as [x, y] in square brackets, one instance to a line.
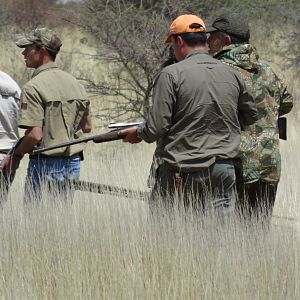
[259, 148]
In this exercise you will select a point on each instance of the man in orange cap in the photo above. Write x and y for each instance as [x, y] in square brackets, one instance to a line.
[198, 104]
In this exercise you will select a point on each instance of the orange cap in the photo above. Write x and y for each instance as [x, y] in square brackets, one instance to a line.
[184, 24]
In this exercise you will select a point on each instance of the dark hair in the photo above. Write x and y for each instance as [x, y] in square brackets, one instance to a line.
[52, 54]
[193, 39]
[236, 39]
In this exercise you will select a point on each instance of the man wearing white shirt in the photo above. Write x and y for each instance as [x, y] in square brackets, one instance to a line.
[9, 112]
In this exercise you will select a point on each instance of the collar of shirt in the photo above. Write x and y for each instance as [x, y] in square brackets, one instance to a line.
[195, 52]
[43, 68]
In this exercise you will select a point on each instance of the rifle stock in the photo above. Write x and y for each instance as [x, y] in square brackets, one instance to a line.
[100, 138]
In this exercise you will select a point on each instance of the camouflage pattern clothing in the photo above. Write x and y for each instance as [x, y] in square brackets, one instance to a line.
[259, 148]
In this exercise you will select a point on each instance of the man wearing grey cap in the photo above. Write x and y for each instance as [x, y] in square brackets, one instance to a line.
[258, 167]
[54, 109]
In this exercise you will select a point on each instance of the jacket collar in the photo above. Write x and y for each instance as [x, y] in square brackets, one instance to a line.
[196, 52]
[43, 68]
[244, 56]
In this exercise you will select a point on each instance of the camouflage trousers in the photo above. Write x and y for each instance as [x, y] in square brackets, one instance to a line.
[210, 189]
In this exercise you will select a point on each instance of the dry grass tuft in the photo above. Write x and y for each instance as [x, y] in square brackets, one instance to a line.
[107, 247]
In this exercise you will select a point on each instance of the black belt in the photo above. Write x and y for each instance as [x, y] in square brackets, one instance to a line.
[41, 155]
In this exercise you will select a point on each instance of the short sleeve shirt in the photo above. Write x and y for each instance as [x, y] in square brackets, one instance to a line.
[56, 102]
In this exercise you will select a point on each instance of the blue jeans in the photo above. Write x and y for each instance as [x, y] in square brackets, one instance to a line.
[54, 173]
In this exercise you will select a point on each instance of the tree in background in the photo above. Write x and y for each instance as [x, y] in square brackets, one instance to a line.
[24, 14]
[18, 17]
[129, 39]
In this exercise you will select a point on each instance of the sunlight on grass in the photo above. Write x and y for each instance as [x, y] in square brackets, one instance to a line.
[108, 247]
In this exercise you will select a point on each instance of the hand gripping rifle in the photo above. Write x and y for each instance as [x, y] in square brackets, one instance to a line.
[110, 136]
[99, 188]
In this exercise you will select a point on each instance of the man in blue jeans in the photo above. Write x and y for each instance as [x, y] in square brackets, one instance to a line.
[54, 109]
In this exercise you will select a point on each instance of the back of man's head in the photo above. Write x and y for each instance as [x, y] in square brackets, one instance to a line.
[234, 24]
[190, 27]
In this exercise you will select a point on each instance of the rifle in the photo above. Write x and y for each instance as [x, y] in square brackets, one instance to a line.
[110, 136]
[100, 188]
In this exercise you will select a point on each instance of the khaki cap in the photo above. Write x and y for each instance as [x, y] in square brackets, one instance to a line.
[185, 24]
[43, 37]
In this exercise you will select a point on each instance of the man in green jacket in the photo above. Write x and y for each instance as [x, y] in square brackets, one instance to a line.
[197, 105]
[258, 171]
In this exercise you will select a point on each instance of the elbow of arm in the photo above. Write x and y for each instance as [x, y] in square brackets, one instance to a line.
[285, 110]
[251, 120]
[87, 130]
[248, 119]
[35, 134]
[86, 124]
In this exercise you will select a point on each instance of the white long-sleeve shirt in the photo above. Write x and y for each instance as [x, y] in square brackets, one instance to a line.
[9, 111]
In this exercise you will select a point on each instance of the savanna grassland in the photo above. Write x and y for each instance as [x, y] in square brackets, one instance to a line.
[111, 247]
[108, 247]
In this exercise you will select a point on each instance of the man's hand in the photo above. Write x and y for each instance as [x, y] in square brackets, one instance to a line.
[131, 135]
[9, 165]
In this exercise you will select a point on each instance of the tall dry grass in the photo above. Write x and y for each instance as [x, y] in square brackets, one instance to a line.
[108, 247]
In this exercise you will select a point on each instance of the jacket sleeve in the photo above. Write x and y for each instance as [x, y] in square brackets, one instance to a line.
[286, 99]
[247, 110]
[159, 119]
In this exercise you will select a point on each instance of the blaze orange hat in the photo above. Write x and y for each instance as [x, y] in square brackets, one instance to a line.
[185, 24]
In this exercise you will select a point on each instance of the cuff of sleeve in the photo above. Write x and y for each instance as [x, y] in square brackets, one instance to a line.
[139, 132]
[143, 135]
[25, 124]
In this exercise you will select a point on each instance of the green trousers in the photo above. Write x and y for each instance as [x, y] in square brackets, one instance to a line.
[211, 188]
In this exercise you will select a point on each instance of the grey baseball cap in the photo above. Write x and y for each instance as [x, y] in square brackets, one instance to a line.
[231, 23]
[43, 37]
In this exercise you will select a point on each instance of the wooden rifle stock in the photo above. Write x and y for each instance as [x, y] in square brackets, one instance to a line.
[100, 138]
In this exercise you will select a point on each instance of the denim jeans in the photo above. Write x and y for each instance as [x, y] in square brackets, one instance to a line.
[52, 172]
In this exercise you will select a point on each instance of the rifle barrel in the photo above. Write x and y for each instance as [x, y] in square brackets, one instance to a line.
[100, 138]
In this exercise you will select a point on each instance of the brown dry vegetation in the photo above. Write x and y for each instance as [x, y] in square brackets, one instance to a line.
[107, 247]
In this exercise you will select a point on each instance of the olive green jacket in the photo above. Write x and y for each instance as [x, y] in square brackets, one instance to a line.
[198, 105]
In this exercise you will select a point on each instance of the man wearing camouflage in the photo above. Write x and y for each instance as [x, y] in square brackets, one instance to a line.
[258, 170]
